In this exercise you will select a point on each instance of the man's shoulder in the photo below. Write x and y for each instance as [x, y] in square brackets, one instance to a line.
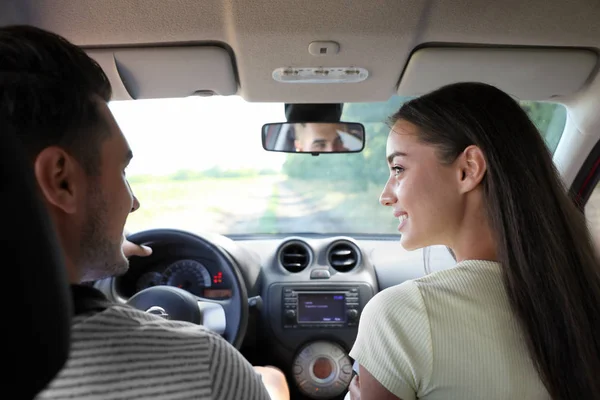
[131, 354]
[120, 335]
[119, 318]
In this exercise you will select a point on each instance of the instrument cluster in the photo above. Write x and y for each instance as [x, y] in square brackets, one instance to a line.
[189, 275]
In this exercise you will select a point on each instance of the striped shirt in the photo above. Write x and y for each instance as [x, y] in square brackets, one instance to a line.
[124, 353]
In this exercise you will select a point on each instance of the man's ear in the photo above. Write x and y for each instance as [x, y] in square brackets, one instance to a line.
[59, 178]
[472, 168]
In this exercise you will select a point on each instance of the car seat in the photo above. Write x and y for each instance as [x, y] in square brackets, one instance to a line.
[37, 302]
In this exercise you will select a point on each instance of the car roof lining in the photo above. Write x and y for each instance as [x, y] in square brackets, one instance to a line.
[264, 35]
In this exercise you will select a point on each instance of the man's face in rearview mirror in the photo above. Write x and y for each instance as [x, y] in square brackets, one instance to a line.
[319, 137]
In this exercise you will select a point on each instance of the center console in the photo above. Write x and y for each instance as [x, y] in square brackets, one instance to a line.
[318, 325]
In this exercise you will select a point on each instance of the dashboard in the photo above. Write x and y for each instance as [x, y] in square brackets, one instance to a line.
[200, 277]
[305, 294]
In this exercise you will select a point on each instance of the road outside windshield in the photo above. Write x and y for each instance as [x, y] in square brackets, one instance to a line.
[199, 166]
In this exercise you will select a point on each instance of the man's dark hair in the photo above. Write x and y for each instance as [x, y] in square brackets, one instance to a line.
[49, 93]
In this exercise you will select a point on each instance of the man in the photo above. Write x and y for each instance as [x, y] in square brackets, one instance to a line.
[319, 137]
[56, 98]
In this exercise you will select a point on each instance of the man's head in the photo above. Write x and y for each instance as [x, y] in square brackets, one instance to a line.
[55, 97]
[318, 137]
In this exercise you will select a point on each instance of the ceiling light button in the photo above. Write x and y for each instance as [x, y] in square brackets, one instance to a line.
[323, 48]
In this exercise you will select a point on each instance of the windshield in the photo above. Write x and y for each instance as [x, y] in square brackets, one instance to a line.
[199, 166]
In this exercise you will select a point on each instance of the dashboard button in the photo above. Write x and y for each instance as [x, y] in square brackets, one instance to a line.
[322, 368]
[347, 369]
[298, 369]
[320, 274]
[336, 352]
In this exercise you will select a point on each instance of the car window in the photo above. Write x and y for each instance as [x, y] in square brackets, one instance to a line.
[549, 118]
[199, 165]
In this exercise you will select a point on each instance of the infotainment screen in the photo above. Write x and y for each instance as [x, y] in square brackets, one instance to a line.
[321, 308]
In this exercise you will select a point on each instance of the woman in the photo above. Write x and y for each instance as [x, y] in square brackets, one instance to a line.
[519, 316]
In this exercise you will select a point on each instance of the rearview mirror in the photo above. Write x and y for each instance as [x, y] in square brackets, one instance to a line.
[314, 137]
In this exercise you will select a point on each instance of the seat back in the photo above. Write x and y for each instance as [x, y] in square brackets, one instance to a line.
[37, 304]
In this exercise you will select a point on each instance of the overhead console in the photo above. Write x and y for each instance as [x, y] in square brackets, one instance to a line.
[167, 72]
[526, 73]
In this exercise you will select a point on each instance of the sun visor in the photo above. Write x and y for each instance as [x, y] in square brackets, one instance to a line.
[166, 72]
[528, 74]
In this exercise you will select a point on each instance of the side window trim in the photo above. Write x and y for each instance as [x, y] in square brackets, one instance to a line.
[588, 177]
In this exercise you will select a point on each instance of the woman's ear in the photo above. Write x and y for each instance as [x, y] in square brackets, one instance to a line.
[56, 174]
[473, 167]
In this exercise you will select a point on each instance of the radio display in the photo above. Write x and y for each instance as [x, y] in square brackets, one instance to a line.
[321, 308]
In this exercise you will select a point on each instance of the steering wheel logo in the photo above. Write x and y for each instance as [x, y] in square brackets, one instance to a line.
[156, 310]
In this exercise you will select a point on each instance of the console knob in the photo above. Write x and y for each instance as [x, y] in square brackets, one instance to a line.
[352, 314]
[290, 314]
[322, 368]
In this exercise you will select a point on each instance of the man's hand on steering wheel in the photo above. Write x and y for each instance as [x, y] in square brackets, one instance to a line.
[132, 249]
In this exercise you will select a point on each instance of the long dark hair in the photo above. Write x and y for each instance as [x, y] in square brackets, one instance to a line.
[550, 269]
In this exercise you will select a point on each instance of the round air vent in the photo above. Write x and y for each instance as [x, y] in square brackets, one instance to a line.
[343, 256]
[294, 256]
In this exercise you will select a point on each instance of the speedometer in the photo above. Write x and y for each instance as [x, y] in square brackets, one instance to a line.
[149, 279]
[189, 275]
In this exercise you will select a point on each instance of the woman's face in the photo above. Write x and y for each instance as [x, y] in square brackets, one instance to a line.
[423, 194]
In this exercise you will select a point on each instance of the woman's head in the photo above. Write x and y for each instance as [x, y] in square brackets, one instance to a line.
[437, 199]
[457, 140]
[477, 173]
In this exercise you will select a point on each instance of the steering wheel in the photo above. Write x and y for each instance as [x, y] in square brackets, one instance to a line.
[226, 317]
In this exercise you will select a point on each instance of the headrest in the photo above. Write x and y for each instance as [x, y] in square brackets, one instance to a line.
[37, 313]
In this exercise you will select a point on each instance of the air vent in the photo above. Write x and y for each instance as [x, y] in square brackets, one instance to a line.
[343, 256]
[294, 256]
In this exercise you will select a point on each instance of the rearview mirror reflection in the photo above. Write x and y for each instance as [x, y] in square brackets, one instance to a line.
[314, 137]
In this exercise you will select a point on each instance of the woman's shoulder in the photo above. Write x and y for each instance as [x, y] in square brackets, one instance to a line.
[394, 340]
[470, 278]
[462, 269]
[465, 276]
[397, 301]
